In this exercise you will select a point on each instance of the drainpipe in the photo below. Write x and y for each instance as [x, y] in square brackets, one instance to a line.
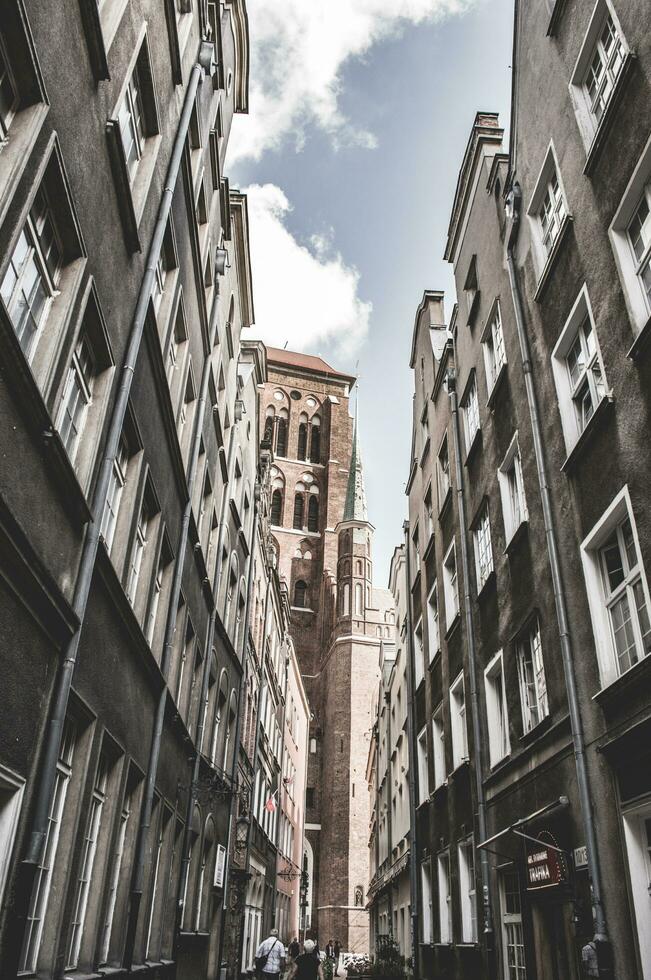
[238, 729]
[489, 942]
[376, 910]
[601, 939]
[53, 735]
[413, 768]
[387, 700]
[280, 789]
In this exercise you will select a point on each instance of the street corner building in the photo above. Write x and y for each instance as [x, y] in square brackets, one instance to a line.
[129, 482]
[522, 586]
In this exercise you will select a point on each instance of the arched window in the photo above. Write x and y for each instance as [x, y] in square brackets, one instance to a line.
[241, 611]
[359, 599]
[277, 507]
[315, 441]
[230, 728]
[281, 432]
[307, 556]
[269, 424]
[346, 600]
[359, 570]
[302, 437]
[203, 890]
[193, 869]
[231, 592]
[313, 513]
[299, 510]
[300, 594]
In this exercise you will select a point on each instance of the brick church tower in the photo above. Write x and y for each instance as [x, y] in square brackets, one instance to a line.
[324, 538]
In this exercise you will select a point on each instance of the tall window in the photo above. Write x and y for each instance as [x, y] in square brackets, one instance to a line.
[483, 550]
[115, 874]
[313, 513]
[438, 745]
[33, 274]
[299, 509]
[97, 805]
[281, 432]
[77, 396]
[302, 438]
[155, 599]
[315, 440]
[433, 625]
[300, 594]
[8, 93]
[625, 597]
[117, 481]
[470, 412]
[639, 237]
[552, 212]
[445, 899]
[497, 716]
[277, 508]
[443, 471]
[38, 905]
[131, 120]
[512, 933]
[458, 722]
[426, 897]
[137, 552]
[511, 483]
[597, 70]
[429, 513]
[423, 774]
[359, 599]
[531, 674]
[468, 892]
[493, 347]
[450, 586]
[419, 653]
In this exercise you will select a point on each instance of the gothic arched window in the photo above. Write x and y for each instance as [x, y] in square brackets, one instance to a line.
[359, 599]
[313, 513]
[277, 508]
[315, 441]
[300, 594]
[281, 432]
[299, 508]
[269, 424]
[302, 437]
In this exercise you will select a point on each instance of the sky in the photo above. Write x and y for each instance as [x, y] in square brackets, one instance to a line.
[360, 111]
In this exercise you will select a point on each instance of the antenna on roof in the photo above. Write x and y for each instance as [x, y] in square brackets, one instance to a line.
[285, 347]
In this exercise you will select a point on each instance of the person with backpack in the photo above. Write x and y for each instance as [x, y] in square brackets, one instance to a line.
[270, 957]
[306, 966]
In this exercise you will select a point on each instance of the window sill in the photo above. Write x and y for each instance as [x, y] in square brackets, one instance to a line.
[528, 737]
[443, 509]
[472, 312]
[609, 116]
[490, 401]
[437, 789]
[429, 546]
[437, 654]
[454, 625]
[473, 448]
[620, 686]
[459, 766]
[599, 416]
[487, 586]
[95, 43]
[425, 452]
[502, 763]
[519, 533]
[640, 343]
[550, 262]
[555, 18]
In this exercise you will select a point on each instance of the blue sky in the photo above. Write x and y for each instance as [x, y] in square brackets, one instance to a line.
[358, 128]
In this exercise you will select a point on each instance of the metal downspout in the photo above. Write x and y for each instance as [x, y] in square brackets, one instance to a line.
[280, 789]
[52, 739]
[413, 769]
[389, 817]
[594, 869]
[489, 940]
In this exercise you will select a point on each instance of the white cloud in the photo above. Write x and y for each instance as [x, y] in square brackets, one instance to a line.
[298, 50]
[305, 295]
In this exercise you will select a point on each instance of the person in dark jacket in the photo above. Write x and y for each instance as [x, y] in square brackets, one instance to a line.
[337, 955]
[306, 966]
[294, 949]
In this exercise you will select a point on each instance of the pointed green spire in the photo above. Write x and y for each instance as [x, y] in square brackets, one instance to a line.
[355, 507]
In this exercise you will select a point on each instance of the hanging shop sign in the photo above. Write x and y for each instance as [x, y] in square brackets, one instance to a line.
[546, 865]
[581, 857]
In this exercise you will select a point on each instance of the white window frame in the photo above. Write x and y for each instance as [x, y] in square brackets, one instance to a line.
[470, 411]
[483, 547]
[458, 722]
[445, 898]
[118, 857]
[433, 622]
[77, 396]
[567, 390]
[419, 652]
[638, 305]
[450, 586]
[542, 254]
[443, 477]
[588, 121]
[511, 487]
[638, 853]
[138, 548]
[468, 891]
[497, 715]
[493, 347]
[438, 748]
[531, 677]
[427, 936]
[423, 771]
[618, 511]
[512, 930]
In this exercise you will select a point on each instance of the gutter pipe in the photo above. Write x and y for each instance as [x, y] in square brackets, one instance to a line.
[413, 769]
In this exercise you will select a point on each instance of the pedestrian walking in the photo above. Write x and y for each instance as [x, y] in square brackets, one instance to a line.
[293, 949]
[306, 966]
[330, 950]
[337, 956]
[270, 957]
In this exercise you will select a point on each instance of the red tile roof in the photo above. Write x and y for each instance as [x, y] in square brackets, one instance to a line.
[305, 362]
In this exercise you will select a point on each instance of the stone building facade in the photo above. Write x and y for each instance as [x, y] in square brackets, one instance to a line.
[530, 551]
[323, 536]
[127, 485]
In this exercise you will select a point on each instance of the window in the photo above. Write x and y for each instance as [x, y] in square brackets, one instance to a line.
[38, 906]
[481, 537]
[87, 861]
[599, 65]
[299, 507]
[433, 625]
[300, 594]
[177, 341]
[116, 874]
[443, 472]
[426, 897]
[277, 508]
[617, 590]
[302, 438]
[630, 236]
[578, 371]
[468, 892]
[313, 513]
[511, 483]
[12, 788]
[419, 653]
[438, 746]
[309, 798]
[512, 934]
[132, 123]
[470, 288]
[531, 674]
[33, 274]
[493, 347]
[458, 722]
[281, 432]
[416, 550]
[445, 899]
[359, 599]
[315, 440]
[137, 552]
[423, 775]
[496, 713]
[470, 409]
[77, 396]
[424, 432]
[117, 481]
[8, 94]
[450, 586]
[429, 514]
[547, 211]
